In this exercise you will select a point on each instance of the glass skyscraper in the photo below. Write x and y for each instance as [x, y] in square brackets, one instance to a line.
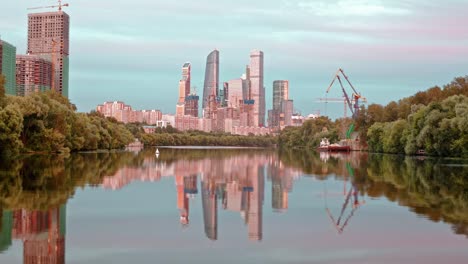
[211, 86]
[280, 93]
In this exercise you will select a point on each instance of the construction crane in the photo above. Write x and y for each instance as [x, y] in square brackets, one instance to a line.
[60, 6]
[353, 103]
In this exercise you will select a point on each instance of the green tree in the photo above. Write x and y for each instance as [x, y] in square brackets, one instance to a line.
[11, 125]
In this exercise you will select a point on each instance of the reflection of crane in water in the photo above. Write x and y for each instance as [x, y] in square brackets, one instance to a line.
[342, 221]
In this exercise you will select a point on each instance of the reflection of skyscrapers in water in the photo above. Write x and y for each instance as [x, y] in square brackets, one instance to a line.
[186, 187]
[42, 233]
[281, 184]
[239, 191]
[255, 212]
[210, 210]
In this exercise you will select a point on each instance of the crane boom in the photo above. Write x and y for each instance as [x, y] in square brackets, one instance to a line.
[346, 95]
[353, 103]
[347, 79]
[60, 5]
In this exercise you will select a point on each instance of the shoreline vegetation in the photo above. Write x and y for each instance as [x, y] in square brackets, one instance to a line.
[434, 122]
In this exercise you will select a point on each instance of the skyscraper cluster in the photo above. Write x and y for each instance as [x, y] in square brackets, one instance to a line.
[238, 105]
[46, 64]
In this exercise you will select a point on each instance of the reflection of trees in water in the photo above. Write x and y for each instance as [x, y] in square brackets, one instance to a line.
[41, 182]
[430, 187]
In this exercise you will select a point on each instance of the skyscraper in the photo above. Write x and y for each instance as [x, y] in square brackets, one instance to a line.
[211, 86]
[8, 66]
[257, 89]
[184, 89]
[48, 37]
[236, 92]
[280, 93]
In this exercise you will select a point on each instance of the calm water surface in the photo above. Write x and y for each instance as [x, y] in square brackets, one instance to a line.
[231, 206]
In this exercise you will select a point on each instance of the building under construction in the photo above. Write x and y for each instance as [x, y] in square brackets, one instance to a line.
[48, 37]
[33, 74]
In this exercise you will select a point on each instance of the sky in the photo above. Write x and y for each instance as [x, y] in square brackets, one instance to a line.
[133, 51]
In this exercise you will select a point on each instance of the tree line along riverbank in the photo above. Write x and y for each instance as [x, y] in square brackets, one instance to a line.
[434, 122]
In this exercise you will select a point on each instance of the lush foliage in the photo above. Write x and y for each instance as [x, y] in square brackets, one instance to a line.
[440, 129]
[48, 122]
[172, 137]
[435, 120]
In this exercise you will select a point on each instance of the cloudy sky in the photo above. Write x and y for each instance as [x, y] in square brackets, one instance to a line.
[133, 50]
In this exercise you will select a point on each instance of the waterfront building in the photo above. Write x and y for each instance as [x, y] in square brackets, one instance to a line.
[48, 37]
[8, 66]
[186, 122]
[169, 120]
[211, 85]
[124, 113]
[33, 74]
[250, 130]
[257, 90]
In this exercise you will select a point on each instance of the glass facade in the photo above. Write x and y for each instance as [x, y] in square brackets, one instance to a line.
[211, 86]
[8, 66]
[280, 93]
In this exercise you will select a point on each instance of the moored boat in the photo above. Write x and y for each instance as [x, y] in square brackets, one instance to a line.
[326, 146]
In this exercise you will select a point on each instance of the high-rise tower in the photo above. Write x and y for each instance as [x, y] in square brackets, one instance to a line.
[211, 87]
[257, 89]
[48, 37]
[184, 89]
[280, 93]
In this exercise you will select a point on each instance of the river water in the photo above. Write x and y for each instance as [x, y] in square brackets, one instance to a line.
[232, 206]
